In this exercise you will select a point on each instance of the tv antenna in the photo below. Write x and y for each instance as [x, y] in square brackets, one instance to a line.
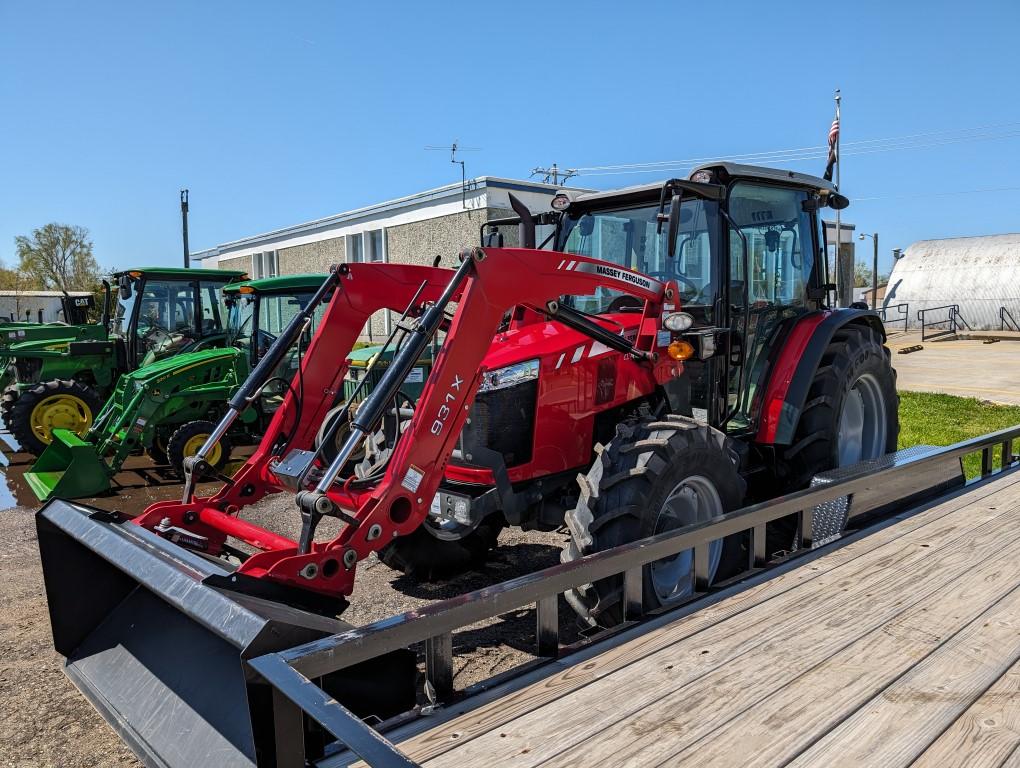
[453, 150]
[553, 174]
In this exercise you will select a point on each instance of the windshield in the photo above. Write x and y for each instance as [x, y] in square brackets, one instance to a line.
[122, 313]
[240, 320]
[628, 237]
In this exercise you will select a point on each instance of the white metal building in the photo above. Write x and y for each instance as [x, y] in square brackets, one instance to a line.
[34, 306]
[979, 274]
[416, 229]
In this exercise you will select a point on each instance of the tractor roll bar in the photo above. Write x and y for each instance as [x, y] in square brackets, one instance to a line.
[197, 466]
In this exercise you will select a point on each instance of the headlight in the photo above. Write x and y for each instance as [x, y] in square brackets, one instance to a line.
[677, 321]
[501, 378]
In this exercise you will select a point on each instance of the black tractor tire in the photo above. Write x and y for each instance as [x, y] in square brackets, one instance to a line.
[855, 352]
[89, 403]
[624, 491]
[186, 433]
[423, 557]
[157, 450]
[7, 401]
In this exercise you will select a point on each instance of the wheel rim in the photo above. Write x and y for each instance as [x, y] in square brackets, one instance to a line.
[193, 444]
[693, 500]
[60, 412]
[862, 431]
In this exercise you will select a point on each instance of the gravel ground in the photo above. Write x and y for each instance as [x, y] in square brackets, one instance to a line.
[45, 721]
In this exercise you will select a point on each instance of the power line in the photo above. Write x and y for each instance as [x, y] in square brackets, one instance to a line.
[926, 140]
[936, 194]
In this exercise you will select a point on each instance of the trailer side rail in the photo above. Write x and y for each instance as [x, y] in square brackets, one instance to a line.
[291, 672]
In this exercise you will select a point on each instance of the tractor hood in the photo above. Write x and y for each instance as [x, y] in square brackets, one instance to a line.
[157, 372]
[51, 337]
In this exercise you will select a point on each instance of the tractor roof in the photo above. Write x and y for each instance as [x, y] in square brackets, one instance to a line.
[762, 173]
[724, 172]
[216, 275]
[282, 284]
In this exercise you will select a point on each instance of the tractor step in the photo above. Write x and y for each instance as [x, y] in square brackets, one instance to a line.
[830, 519]
[162, 653]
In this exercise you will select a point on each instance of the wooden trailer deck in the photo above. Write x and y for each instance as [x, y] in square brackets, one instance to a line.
[901, 647]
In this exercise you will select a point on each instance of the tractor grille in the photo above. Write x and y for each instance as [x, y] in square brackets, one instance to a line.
[503, 420]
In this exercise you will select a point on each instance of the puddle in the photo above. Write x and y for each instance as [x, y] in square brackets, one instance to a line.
[139, 484]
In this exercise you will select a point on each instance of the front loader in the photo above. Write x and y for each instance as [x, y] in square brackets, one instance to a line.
[169, 407]
[675, 347]
[58, 377]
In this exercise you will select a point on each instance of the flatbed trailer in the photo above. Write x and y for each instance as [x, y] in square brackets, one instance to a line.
[896, 643]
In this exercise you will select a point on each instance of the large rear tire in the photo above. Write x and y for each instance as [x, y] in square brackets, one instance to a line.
[851, 414]
[654, 476]
[61, 403]
[423, 556]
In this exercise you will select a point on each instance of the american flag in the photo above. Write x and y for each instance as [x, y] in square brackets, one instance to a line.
[833, 146]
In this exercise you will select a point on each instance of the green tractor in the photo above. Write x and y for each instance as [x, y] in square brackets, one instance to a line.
[169, 407]
[57, 376]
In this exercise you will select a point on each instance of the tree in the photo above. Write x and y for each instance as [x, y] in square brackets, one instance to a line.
[19, 282]
[58, 257]
[862, 275]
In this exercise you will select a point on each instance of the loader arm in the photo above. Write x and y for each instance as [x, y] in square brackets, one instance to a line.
[492, 282]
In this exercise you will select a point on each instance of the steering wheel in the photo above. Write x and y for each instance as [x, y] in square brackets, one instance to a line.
[263, 341]
[685, 283]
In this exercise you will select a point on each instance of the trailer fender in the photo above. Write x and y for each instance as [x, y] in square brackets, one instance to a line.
[794, 369]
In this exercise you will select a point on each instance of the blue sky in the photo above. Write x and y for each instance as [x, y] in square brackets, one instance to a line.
[276, 113]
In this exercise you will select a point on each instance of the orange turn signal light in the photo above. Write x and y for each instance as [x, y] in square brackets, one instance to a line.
[246, 289]
[680, 350]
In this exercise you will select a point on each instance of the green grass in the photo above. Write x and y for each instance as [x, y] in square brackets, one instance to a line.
[927, 418]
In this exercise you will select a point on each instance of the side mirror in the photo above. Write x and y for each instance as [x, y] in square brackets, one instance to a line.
[837, 201]
[124, 284]
[674, 226]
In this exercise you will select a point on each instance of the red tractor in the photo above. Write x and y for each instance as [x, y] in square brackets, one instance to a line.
[678, 333]
[672, 356]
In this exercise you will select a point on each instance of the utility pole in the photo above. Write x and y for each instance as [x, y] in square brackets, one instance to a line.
[184, 227]
[874, 267]
[552, 174]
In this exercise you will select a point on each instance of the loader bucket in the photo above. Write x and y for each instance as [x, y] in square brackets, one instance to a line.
[160, 648]
[69, 468]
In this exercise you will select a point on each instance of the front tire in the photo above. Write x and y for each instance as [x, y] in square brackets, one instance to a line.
[58, 404]
[189, 438]
[654, 476]
[423, 556]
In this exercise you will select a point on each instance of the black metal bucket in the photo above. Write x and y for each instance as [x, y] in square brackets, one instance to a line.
[161, 652]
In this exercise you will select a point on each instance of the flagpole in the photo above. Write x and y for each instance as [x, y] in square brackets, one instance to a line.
[839, 228]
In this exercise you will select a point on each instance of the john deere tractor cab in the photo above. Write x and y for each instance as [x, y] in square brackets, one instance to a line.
[62, 380]
[671, 357]
[169, 406]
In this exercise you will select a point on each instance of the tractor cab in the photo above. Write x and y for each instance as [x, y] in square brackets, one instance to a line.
[258, 311]
[161, 312]
[745, 248]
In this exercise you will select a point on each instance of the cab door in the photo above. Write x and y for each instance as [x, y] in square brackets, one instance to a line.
[772, 252]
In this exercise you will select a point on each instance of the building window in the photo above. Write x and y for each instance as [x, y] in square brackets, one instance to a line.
[355, 249]
[376, 243]
[264, 265]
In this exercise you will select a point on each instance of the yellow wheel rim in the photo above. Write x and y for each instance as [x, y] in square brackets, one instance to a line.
[60, 412]
[192, 445]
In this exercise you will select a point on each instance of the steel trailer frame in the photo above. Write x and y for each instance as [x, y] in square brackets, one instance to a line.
[290, 672]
